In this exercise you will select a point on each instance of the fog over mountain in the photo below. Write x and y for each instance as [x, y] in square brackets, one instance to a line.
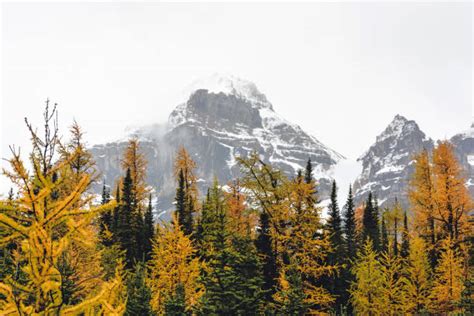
[222, 117]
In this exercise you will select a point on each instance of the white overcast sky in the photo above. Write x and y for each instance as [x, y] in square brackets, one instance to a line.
[339, 70]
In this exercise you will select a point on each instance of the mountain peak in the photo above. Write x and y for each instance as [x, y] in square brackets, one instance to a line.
[229, 85]
[399, 126]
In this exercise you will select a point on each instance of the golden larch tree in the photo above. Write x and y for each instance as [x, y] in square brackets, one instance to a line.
[392, 289]
[448, 280]
[134, 159]
[417, 282]
[295, 221]
[174, 265]
[44, 224]
[367, 290]
[241, 219]
[451, 197]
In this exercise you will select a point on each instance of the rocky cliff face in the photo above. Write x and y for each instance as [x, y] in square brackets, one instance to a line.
[464, 148]
[388, 164]
[221, 119]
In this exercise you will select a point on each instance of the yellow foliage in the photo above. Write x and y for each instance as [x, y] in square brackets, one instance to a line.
[183, 162]
[367, 290]
[135, 160]
[439, 199]
[417, 282]
[392, 289]
[241, 220]
[448, 282]
[50, 226]
[173, 263]
[295, 222]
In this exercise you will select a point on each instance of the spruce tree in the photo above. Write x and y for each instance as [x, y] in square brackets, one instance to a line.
[233, 280]
[405, 247]
[267, 255]
[308, 175]
[149, 230]
[337, 255]
[370, 226]
[351, 246]
[384, 235]
[115, 215]
[350, 234]
[139, 294]
[105, 218]
[183, 213]
[125, 230]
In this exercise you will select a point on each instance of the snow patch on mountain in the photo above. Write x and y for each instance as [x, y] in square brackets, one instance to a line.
[229, 85]
[388, 163]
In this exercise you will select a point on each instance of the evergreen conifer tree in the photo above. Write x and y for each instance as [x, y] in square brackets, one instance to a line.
[267, 255]
[384, 235]
[405, 247]
[105, 219]
[126, 232]
[337, 255]
[139, 293]
[350, 234]
[149, 230]
[183, 213]
[370, 224]
[233, 279]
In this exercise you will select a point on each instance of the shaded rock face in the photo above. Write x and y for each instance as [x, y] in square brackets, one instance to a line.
[463, 144]
[388, 164]
[216, 128]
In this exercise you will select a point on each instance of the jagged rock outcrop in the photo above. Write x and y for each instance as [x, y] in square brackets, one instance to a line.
[463, 144]
[388, 164]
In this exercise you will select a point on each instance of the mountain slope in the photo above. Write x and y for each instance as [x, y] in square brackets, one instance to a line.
[464, 149]
[387, 165]
[222, 118]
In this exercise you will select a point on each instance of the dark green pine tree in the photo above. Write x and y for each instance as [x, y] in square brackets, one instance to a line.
[395, 236]
[308, 174]
[350, 245]
[350, 233]
[294, 298]
[176, 305]
[115, 216]
[139, 295]
[148, 230]
[337, 255]
[308, 178]
[405, 247]
[384, 234]
[377, 221]
[183, 211]
[268, 257]
[370, 225]
[233, 281]
[105, 218]
[126, 218]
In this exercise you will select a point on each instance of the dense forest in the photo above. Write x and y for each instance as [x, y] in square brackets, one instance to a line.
[255, 246]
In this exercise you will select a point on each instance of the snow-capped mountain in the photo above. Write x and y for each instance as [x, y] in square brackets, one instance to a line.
[220, 119]
[464, 148]
[388, 164]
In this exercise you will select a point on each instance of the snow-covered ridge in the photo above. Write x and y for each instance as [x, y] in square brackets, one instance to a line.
[275, 131]
[229, 85]
[395, 129]
[468, 133]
